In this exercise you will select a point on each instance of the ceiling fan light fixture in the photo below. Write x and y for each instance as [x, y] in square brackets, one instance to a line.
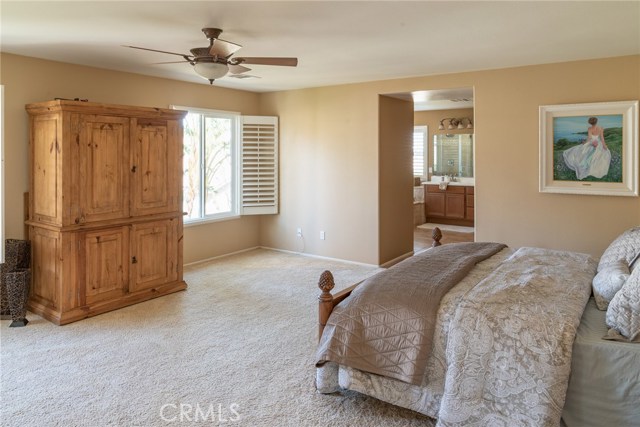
[215, 61]
[211, 70]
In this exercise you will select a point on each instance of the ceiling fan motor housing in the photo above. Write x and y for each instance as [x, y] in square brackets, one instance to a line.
[212, 33]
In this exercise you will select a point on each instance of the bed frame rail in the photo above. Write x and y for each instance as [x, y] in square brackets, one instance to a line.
[327, 301]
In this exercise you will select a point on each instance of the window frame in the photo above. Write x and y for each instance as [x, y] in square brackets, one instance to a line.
[2, 174]
[236, 142]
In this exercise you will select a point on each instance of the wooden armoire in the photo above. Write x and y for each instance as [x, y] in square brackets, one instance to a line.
[105, 207]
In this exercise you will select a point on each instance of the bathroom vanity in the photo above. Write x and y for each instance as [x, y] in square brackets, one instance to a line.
[450, 195]
[453, 205]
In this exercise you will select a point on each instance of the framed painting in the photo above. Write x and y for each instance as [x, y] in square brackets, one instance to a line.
[589, 148]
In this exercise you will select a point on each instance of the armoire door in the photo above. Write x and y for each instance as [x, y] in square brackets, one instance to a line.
[45, 269]
[154, 254]
[46, 183]
[103, 168]
[156, 166]
[106, 264]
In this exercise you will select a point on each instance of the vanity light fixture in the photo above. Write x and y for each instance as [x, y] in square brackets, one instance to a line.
[456, 123]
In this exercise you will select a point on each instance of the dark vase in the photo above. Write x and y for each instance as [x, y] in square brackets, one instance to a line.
[15, 281]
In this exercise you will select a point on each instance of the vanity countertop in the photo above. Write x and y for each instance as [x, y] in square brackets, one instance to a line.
[464, 181]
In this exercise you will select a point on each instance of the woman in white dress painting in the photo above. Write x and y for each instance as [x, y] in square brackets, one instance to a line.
[592, 157]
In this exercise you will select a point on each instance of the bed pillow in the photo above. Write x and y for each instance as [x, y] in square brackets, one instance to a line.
[608, 282]
[625, 247]
[623, 314]
[635, 262]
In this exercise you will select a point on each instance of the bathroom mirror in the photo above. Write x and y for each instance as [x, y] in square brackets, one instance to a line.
[453, 155]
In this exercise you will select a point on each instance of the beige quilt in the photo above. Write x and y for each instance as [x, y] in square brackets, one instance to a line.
[386, 326]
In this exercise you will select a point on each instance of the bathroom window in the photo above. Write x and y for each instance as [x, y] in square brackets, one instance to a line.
[420, 152]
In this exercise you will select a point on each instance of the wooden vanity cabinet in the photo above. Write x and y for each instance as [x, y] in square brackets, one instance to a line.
[434, 204]
[451, 206]
[105, 199]
[470, 199]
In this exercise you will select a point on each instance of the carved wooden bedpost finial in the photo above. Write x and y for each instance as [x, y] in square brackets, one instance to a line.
[436, 235]
[326, 284]
[325, 299]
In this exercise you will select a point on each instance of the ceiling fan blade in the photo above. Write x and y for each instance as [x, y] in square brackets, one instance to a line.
[172, 62]
[238, 69]
[287, 62]
[223, 48]
[243, 76]
[184, 55]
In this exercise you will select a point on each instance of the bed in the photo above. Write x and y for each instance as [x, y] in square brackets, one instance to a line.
[510, 342]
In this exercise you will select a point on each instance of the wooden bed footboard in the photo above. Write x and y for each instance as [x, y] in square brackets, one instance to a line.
[327, 301]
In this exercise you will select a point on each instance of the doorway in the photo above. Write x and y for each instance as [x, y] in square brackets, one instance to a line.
[444, 179]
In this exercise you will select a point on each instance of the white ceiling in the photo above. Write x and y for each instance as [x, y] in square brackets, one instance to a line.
[336, 42]
[438, 99]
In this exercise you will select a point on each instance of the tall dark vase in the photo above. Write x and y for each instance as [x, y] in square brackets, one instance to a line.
[15, 281]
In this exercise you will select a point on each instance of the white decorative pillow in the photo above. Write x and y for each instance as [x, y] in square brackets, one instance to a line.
[634, 263]
[608, 282]
[625, 247]
[623, 313]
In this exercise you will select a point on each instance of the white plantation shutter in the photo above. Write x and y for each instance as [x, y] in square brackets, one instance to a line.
[259, 165]
[420, 151]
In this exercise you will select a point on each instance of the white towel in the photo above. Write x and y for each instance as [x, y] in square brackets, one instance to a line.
[443, 185]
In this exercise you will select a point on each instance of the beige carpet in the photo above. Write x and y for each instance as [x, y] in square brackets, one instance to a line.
[240, 340]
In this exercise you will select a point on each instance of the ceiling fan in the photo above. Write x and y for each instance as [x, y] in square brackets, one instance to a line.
[215, 61]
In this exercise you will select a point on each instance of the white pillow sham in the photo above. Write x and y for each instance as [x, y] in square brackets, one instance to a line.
[625, 247]
[623, 314]
[608, 282]
[635, 262]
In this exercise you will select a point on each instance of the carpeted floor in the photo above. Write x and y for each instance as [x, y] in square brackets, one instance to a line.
[236, 348]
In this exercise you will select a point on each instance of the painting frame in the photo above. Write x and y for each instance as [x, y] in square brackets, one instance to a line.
[629, 151]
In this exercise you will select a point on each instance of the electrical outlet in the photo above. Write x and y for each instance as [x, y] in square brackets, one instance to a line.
[322, 235]
[299, 232]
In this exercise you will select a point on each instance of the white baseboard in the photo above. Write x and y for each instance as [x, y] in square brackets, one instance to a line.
[221, 256]
[397, 260]
[385, 265]
[319, 256]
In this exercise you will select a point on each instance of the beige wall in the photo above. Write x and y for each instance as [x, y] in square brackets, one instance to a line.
[29, 80]
[329, 154]
[329, 159]
[395, 178]
[432, 119]
[509, 206]
[328, 172]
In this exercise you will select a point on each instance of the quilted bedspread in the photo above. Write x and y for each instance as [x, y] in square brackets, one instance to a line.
[386, 326]
[502, 349]
[509, 346]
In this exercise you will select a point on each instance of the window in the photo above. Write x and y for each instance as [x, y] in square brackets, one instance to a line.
[230, 165]
[420, 152]
[210, 181]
